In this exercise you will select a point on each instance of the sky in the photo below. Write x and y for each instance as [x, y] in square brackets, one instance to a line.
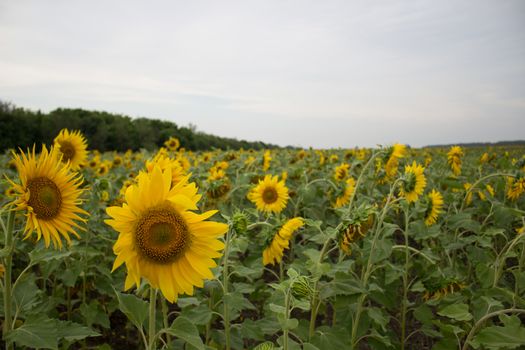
[321, 74]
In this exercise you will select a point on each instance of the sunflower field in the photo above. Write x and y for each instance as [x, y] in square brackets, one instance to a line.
[385, 248]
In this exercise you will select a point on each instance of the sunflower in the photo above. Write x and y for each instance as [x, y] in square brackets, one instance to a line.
[394, 153]
[72, 146]
[172, 143]
[103, 168]
[414, 182]
[516, 187]
[454, 159]
[434, 207]
[344, 198]
[267, 158]
[161, 238]
[50, 195]
[273, 253]
[355, 228]
[341, 172]
[270, 194]
[164, 162]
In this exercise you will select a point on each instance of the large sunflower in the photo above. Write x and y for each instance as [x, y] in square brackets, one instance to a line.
[161, 239]
[72, 145]
[434, 207]
[50, 195]
[270, 194]
[273, 253]
[414, 183]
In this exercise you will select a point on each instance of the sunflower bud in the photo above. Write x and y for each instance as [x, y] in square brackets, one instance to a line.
[302, 288]
[240, 223]
[265, 346]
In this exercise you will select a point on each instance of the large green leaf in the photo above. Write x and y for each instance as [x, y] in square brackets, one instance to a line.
[456, 311]
[38, 333]
[134, 308]
[182, 328]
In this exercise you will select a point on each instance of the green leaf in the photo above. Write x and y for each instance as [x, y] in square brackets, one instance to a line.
[382, 250]
[496, 337]
[39, 255]
[25, 293]
[199, 315]
[73, 331]
[134, 308]
[456, 311]
[278, 309]
[182, 328]
[38, 333]
[94, 314]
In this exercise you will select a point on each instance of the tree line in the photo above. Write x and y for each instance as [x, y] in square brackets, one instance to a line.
[20, 127]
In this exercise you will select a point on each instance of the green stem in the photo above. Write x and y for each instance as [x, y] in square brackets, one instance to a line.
[367, 272]
[485, 318]
[8, 292]
[359, 179]
[286, 316]
[499, 264]
[152, 317]
[315, 303]
[165, 311]
[404, 304]
[225, 278]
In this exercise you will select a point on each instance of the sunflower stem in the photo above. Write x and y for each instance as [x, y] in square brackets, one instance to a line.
[152, 318]
[8, 292]
[315, 302]
[225, 278]
[165, 311]
[287, 316]
[404, 304]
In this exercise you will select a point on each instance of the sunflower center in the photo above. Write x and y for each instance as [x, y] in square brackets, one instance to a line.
[68, 150]
[270, 195]
[44, 198]
[162, 235]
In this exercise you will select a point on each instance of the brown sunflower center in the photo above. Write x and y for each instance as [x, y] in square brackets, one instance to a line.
[68, 150]
[162, 235]
[270, 195]
[44, 197]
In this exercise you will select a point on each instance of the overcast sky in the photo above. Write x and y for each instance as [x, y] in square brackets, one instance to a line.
[305, 73]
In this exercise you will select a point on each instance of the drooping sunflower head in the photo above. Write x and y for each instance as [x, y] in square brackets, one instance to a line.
[273, 253]
[434, 207]
[172, 143]
[516, 187]
[355, 227]
[72, 146]
[161, 238]
[343, 197]
[267, 158]
[393, 154]
[49, 194]
[270, 195]
[341, 172]
[413, 183]
[454, 159]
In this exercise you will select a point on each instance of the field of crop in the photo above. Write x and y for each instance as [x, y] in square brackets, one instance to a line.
[386, 248]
